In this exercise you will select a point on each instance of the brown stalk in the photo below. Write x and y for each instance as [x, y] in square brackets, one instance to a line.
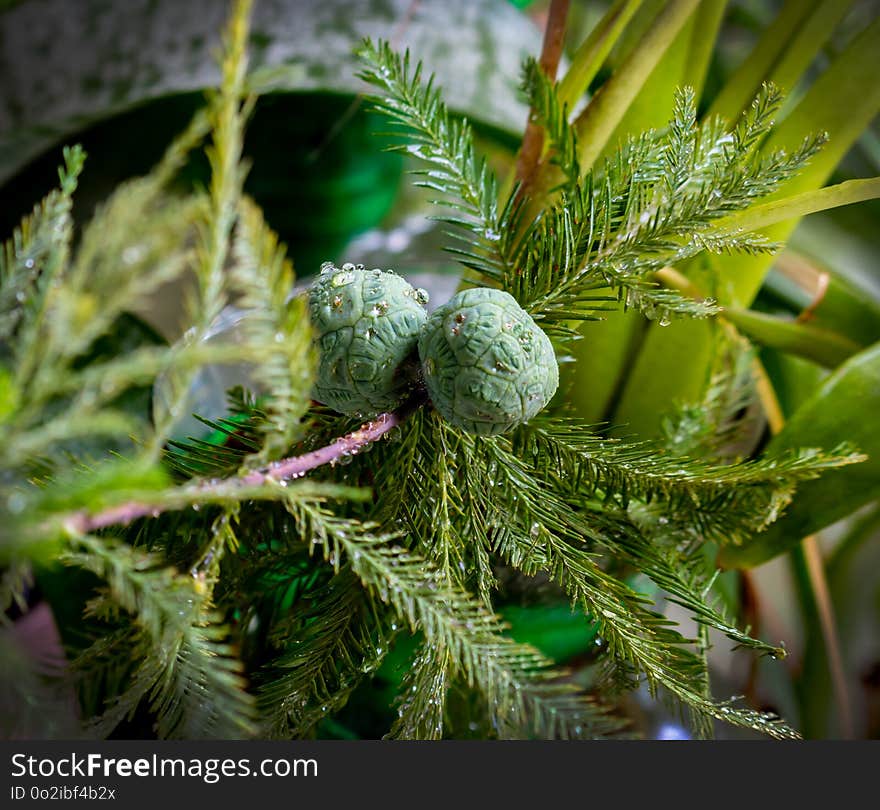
[551, 52]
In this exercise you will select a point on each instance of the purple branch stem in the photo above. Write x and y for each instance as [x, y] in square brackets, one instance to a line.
[283, 470]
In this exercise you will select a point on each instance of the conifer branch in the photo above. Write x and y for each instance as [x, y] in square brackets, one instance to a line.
[523, 694]
[547, 534]
[422, 698]
[464, 180]
[720, 501]
[549, 112]
[34, 251]
[656, 203]
[35, 288]
[183, 645]
[253, 484]
[336, 643]
[264, 277]
[228, 112]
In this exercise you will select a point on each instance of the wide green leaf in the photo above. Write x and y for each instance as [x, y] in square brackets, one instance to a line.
[784, 52]
[842, 409]
[591, 54]
[601, 120]
[798, 205]
[842, 102]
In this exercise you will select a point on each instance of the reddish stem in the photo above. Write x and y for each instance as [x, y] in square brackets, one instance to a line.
[283, 470]
[551, 53]
[346, 445]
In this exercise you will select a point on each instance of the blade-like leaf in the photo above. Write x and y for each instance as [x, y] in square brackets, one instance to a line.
[842, 407]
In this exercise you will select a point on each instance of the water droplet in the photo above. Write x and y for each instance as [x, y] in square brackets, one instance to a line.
[664, 321]
[29, 263]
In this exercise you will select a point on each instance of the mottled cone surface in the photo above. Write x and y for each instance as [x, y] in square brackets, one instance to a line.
[487, 365]
[366, 323]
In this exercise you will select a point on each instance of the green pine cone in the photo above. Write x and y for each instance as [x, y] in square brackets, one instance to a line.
[366, 324]
[487, 365]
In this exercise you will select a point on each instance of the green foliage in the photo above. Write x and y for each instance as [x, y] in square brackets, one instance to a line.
[263, 280]
[462, 177]
[228, 598]
[655, 203]
[185, 666]
[28, 258]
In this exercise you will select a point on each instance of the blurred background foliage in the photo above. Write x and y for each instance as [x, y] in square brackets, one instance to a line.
[122, 78]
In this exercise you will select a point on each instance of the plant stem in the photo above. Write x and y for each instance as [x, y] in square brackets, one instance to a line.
[819, 583]
[283, 470]
[551, 52]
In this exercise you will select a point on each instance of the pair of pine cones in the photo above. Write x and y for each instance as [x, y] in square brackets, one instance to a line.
[485, 363]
